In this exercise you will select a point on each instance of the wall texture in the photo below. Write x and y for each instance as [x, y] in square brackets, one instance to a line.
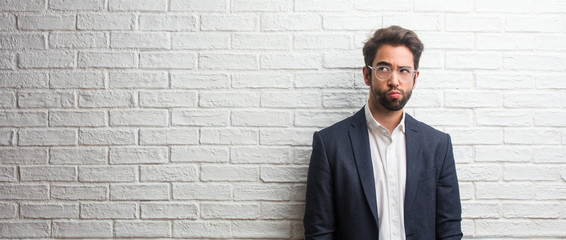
[193, 118]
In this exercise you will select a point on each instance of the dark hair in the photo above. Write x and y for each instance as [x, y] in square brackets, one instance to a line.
[396, 36]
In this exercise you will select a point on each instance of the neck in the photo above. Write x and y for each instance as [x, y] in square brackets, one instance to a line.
[387, 118]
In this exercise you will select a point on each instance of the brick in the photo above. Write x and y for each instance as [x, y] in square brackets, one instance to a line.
[347, 59]
[8, 174]
[507, 6]
[138, 155]
[23, 118]
[505, 191]
[229, 210]
[8, 210]
[481, 210]
[550, 42]
[260, 6]
[535, 62]
[113, 21]
[473, 99]
[291, 99]
[7, 23]
[229, 23]
[463, 154]
[46, 22]
[138, 5]
[47, 137]
[76, 80]
[422, 98]
[228, 61]
[154, 22]
[200, 191]
[265, 192]
[79, 192]
[443, 6]
[168, 99]
[107, 60]
[275, 210]
[324, 80]
[302, 155]
[71, 5]
[198, 5]
[7, 99]
[139, 80]
[533, 24]
[232, 99]
[24, 229]
[261, 41]
[228, 136]
[47, 59]
[519, 41]
[474, 23]
[261, 80]
[531, 173]
[175, 60]
[356, 22]
[290, 22]
[48, 173]
[521, 228]
[283, 174]
[298, 192]
[325, 6]
[168, 136]
[256, 155]
[231, 173]
[503, 154]
[440, 40]
[107, 136]
[263, 118]
[343, 99]
[531, 210]
[200, 40]
[23, 156]
[106, 174]
[169, 173]
[401, 5]
[109, 210]
[21, 41]
[20, 191]
[415, 22]
[77, 118]
[7, 61]
[466, 190]
[504, 118]
[260, 229]
[297, 229]
[169, 210]
[446, 117]
[433, 59]
[479, 172]
[140, 192]
[15, 5]
[549, 6]
[290, 61]
[505, 81]
[82, 229]
[473, 60]
[49, 210]
[139, 117]
[479, 136]
[550, 191]
[319, 41]
[51, 99]
[550, 118]
[190, 80]
[192, 229]
[200, 117]
[139, 40]
[197, 154]
[532, 136]
[79, 156]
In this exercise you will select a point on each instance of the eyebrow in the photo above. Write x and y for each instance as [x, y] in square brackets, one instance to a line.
[390, 65]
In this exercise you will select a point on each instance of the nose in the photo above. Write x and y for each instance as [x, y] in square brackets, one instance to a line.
[394, 79]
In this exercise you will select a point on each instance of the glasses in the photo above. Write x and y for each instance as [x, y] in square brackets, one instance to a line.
[383, 73]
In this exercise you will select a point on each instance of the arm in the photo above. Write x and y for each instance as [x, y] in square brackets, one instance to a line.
[319, 209]
[448, 208]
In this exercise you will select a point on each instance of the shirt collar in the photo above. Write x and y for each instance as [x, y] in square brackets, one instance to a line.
[373, 124]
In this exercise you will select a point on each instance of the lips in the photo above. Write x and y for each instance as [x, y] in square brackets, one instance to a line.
[394, 94]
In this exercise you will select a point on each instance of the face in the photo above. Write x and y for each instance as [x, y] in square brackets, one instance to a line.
[390, 94]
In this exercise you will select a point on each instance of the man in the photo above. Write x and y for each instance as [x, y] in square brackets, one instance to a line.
[381, 174]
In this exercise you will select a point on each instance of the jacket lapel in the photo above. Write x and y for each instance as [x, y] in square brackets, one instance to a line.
[362, 155]
[413, 142]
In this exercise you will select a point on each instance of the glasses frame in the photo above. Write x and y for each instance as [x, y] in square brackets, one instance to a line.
[391, 73]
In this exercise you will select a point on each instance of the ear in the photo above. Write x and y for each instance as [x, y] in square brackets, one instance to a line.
[416, 77]
[367, 77]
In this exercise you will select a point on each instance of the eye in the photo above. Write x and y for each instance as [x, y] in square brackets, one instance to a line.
[382, 69]
[405, 70]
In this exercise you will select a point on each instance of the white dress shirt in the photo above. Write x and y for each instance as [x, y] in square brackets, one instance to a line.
[389, 160]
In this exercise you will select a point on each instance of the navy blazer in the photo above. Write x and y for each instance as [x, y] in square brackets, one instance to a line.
[341, 199]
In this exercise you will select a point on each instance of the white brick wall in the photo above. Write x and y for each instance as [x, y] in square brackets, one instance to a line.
[193, 118]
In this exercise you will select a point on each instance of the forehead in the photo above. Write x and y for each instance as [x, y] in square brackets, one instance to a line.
[394, 55]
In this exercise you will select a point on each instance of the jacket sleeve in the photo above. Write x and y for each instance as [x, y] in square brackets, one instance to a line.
[319, 219]
[448, 207]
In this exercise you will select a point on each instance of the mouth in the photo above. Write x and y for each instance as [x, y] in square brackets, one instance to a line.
[394, 94]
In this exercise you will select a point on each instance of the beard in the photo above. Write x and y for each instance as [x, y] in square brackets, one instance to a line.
[380, 97]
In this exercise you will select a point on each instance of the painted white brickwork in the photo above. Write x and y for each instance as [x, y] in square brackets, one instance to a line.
[193, 118]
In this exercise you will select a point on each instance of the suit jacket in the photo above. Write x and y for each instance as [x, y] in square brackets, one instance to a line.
[341, 199]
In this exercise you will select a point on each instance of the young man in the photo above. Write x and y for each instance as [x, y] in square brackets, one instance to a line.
[381, 174]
